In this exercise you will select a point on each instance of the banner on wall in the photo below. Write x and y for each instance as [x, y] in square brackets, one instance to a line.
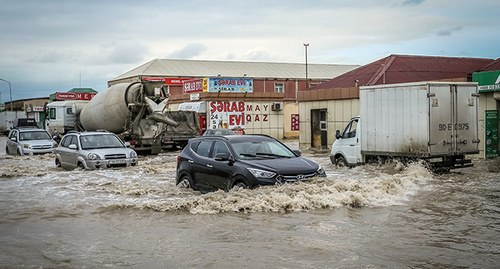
[229, 85]
[227, 115]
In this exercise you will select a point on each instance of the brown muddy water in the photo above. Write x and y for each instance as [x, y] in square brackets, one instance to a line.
[374, 216]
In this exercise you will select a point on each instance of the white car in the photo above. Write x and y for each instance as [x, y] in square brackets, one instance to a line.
[29, 141]
[94, 150]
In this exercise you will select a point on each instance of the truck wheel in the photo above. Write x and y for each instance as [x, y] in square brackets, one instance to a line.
[340, 162]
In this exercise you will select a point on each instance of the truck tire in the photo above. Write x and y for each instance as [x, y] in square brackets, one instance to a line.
[341, 162]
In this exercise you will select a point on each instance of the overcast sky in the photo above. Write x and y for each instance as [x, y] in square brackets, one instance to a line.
[52, 46]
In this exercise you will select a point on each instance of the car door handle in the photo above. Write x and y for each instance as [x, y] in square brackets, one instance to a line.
[209, 165]
[190, 161]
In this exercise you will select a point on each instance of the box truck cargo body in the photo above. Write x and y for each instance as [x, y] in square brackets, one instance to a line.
[434, 121]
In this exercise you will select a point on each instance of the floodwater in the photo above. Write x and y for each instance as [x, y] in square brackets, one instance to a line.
[374, 216]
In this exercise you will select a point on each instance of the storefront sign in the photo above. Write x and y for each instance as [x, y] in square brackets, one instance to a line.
[487, 81]
[295, 122]
[491, 133]
[227, 115]
[74, 95]
[168, 81]
[192, 86]
[229, 85]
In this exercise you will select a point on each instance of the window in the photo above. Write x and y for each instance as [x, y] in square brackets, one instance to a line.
[204, 148]
[69, 111]
[220, 147]
[350, 130]
[322, 120]
[52, 114]
[67, 141]
[312, 85]
[279, 87]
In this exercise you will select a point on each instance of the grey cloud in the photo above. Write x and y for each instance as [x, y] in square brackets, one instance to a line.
[412, 2]
[189, 51]
[124, 53]
[449, 31]
[258, 55]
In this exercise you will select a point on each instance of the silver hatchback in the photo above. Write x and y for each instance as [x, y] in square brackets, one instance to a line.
[94, 150]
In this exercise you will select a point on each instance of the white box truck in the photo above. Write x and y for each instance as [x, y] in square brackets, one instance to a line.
[433, 121]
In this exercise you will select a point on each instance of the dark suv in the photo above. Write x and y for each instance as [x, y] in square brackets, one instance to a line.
[221, 162]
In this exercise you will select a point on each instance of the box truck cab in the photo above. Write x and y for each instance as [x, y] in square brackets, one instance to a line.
[346, 150]
[433, 121]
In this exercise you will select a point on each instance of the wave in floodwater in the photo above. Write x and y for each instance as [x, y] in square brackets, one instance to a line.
[365, 186]
[151, 185]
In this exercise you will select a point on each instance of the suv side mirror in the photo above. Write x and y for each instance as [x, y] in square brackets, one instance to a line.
[13, 139]
[337, 134]
[73, 146]
[223, 157]
[297, 152]
[127, 144]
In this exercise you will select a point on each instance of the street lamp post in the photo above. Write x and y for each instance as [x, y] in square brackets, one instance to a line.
[307, 79]
[10, 91]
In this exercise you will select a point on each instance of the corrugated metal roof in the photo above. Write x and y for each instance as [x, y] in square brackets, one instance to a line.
[493, 66]
[406, 68]
[198, 68]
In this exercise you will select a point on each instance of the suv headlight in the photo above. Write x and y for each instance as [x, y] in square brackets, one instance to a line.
[27, 146]
[261, 173]
[320, 171]
[133, 154]
[54, 145]
[93, 156]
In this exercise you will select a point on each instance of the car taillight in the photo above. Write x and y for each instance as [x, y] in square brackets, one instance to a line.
[178, 159]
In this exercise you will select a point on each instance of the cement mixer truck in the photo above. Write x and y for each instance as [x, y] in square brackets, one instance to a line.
[137, 112]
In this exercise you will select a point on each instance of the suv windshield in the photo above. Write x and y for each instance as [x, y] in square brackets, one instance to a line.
[35, 135]
[261, 149]
[99, 141]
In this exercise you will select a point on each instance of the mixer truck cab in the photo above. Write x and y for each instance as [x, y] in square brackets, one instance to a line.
[62, 116]
[346, 150]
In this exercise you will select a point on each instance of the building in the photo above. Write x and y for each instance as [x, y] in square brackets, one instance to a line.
[329, 106]
[24, 108]
[270, 107]
[488, 79]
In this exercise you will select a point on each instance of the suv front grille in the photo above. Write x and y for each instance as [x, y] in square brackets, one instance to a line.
[115, 156]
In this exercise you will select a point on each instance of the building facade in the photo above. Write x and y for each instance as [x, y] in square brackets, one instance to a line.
[269, 108]
[329, 106]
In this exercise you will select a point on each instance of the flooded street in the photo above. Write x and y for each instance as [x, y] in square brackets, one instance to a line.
[386, 216]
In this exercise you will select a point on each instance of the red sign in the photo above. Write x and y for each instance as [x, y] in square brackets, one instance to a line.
[295, 122]
[193, 86]
[168, 81]
[74, 95]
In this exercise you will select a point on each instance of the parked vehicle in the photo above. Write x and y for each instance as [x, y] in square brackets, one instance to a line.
[433, 121]
[137, 112]
[220, 131]
[29, 141]
[210, 163]
[93, 150]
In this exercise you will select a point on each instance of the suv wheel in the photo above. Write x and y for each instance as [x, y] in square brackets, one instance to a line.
[185, 181]
[80, 166]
